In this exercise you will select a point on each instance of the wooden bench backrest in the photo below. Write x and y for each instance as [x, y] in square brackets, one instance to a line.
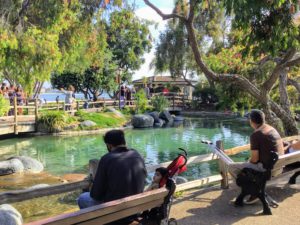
[109, 211]
[285, 160]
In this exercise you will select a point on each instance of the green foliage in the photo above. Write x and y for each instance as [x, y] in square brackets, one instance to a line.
[141, 101]
[128, 111]
[174, 88]
[159, 103]
[4, 106]
[128, 38]
[206, 94]
[55, 120]
[229, 60]
[267, 25]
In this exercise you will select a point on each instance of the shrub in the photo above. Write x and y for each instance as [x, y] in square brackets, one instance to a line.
[141, 101]
[159, 103]
[4, 106]
[55, 120]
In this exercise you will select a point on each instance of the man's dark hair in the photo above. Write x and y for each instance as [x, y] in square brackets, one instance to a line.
[257, 116]
[114, 137]
[162, 170]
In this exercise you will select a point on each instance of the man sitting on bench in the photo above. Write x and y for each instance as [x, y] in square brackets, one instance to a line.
[263, 140]
[120, 173]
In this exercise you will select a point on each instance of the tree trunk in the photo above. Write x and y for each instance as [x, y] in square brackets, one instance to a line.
[274, 121]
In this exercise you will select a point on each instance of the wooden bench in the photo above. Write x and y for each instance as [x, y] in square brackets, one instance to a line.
[284, 160]
[111, 211]
[254, 183]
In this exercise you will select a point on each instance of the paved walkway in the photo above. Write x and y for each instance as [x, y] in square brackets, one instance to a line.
[213, 206]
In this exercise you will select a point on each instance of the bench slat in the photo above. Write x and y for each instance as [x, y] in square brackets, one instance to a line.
[122, 214]
[105, 208]
[287, 159]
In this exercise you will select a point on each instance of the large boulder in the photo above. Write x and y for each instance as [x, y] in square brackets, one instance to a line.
[11, 166]
[30, 164]
[155, 116]
[166, 116]
[142, 121]
[9, 215]
[20, 164]
[88, 123]
[160, 123]
[116, 112]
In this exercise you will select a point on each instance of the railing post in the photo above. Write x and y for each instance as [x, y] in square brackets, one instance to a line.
[15, 115]
[223, 168]
[93, 165]
[173, 101]
[64, 106]
[36, 112]
[77, 105]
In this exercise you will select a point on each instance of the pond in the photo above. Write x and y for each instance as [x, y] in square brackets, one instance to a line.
[69, 155]
[61, 155]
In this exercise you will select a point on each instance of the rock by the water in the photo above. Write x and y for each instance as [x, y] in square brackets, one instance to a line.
[9, 215]
[142, 121]
[11, 166]
[70, 127]
[88, 123]
[30, 164]
[160, 123]
[20, 164]
[116, 112]
[165, 115]
[155, 116]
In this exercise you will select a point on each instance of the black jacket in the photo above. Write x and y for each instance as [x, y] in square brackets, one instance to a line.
[120, 173]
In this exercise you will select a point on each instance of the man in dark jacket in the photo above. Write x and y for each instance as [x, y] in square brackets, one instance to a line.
[120, 173]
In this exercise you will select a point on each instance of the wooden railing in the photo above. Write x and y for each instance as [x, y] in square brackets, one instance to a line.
[21, 195]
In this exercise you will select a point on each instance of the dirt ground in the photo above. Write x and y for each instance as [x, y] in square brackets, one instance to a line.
[212, 206]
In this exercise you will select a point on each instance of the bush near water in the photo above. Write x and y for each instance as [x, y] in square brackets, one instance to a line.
[56, 121]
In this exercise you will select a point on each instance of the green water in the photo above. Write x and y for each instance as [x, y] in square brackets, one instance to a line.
[63, 155]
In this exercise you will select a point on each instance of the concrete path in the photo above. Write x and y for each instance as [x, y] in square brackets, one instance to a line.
[212, 206]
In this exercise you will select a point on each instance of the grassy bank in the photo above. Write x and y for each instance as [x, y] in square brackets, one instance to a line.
[57, 121]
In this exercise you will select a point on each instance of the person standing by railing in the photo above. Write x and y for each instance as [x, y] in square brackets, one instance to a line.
[69, 97]
[20, 99]
[11, 96]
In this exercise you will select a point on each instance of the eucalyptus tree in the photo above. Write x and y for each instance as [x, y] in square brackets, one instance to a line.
[269, 35]
[41, 36]
[128, 38]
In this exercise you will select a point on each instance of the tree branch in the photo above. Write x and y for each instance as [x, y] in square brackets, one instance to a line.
[268, 84]
[22, 11]
[294, 62]
[163, 15]
[294, 83]
[187, 80]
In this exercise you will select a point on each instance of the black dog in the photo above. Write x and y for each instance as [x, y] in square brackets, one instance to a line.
[253, 183]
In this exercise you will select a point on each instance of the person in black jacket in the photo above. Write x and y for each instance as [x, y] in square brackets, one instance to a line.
[120, 173]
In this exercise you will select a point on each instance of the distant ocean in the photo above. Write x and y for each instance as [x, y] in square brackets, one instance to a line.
[51, 96]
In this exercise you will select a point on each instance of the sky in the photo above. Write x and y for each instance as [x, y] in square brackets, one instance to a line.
[145, 12]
